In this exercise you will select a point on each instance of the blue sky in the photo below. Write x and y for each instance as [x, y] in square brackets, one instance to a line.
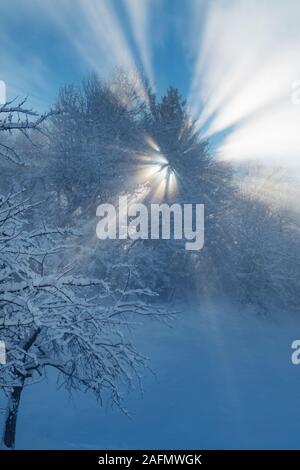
[235, 61]
[48, 43]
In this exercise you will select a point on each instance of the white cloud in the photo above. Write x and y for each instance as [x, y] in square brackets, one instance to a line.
[246, 63]
[139, 12]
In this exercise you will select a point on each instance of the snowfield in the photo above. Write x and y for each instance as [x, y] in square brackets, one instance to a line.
[223, 378]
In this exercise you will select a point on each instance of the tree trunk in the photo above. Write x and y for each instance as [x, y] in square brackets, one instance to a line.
[9, 434]
[10, 424]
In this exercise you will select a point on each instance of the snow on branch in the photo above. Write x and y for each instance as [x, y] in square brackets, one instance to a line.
[16, 117]
[53, 316]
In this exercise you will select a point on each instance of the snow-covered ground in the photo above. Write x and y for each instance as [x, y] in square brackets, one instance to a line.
[224, 379]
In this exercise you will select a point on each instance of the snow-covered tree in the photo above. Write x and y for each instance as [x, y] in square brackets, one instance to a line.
[200, 178]
[53, 316]
[92, 139]
[15, 117]
[267, 241]
[53, 312]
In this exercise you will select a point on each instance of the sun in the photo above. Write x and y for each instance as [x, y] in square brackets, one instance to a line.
[154, 169]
